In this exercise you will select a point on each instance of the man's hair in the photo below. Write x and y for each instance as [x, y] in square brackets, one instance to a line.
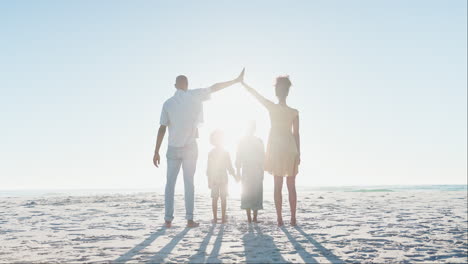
[181, 78]
[282, 86]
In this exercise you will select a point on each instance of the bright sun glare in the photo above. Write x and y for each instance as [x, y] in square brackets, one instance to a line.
[230, 111]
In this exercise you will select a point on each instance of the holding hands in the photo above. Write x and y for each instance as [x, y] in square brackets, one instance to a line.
[237, 177]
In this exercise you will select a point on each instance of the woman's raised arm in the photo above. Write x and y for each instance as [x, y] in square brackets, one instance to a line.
[265, 102]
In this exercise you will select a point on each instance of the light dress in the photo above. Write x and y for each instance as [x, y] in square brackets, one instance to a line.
[282, 155]
[250, 158]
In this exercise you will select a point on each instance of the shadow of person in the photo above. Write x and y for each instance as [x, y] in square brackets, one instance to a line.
[260, 248]
[134, 251]
[213, 258]
[249, 246]
[199, 257]
[325, 252]
[167, 249]
[306, 256]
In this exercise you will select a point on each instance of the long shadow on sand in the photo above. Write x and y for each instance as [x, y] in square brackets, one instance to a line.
[306, 256]
[134, 251]
[214, 255]
[167, 249]
[199, 257]
[324, 251]
[255, 242]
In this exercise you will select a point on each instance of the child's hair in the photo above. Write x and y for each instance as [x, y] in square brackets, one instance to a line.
[216, 137]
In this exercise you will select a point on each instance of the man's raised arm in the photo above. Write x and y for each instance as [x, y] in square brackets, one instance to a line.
[219, 86]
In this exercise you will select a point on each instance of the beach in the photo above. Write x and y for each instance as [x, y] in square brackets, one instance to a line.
[333, 227]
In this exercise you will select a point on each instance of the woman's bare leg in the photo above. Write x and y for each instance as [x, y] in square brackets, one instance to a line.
[291, 182]
[249, 217]
[214, 207]
[279, 199]
[223, 210]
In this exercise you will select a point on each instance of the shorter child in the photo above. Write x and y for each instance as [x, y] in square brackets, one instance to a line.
[250, 158]
[219, 163]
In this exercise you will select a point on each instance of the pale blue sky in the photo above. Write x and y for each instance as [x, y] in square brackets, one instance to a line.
[381, 86]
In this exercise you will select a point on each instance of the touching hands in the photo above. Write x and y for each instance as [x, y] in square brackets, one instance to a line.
[220, 86]
[240, 78]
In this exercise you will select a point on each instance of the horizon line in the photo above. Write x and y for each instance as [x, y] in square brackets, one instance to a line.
[312, 186]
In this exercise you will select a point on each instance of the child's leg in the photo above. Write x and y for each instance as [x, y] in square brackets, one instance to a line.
[223, 209]
[255, 213]
[249, 217]
[214, 206]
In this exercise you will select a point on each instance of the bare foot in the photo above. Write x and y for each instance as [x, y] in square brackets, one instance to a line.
[293, 222]
[191, 223]
[256, 221]
[224, 220]
[214, 220]
[280, 222]
[249, 221]
[168, 224]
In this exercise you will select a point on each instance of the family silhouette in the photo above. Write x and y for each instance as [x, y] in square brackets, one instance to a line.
[183, 112]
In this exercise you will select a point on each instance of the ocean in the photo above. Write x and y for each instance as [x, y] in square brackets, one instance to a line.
[375, 188]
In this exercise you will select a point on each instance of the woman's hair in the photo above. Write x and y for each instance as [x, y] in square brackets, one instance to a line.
[282, 86]
[216, 137]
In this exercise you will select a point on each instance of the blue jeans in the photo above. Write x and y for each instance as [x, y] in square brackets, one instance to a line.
[187, 158]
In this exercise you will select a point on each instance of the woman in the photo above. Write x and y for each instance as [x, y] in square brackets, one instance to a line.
[282, 156]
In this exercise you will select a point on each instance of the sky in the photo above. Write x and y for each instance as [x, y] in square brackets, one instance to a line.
[381, 87]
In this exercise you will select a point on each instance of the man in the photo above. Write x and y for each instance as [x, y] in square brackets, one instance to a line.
[182, 113]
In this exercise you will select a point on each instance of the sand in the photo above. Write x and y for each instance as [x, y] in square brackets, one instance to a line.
[334, 227]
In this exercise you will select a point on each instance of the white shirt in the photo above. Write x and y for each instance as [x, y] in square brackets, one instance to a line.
[182, 113]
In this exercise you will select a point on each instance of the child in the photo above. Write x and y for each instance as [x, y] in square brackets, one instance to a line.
[250, 158]
[219, 162]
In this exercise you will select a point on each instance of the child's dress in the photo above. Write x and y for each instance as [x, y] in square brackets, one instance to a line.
[219, 162]
[250, 157]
